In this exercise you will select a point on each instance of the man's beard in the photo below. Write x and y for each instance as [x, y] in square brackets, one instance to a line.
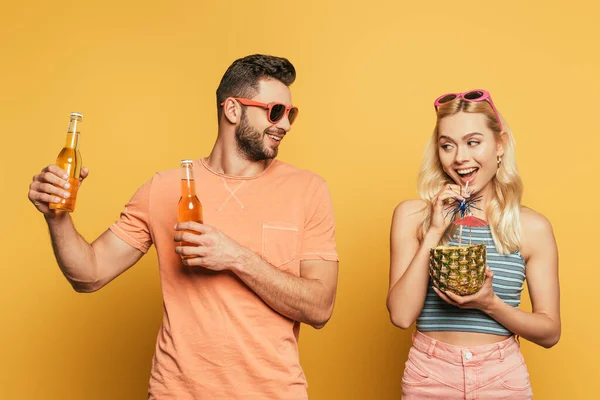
[250, 142]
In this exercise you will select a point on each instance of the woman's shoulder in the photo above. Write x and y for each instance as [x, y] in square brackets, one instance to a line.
[410, 213]
[408, 218]
[533, 222]
[413, 208]
[536, 232]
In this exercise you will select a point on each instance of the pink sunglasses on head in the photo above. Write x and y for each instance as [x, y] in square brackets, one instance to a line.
[471, 95]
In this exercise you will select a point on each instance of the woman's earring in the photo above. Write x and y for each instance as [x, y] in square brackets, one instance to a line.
[499, 160]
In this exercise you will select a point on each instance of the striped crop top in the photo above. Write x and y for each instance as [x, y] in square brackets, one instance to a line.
[509, 275]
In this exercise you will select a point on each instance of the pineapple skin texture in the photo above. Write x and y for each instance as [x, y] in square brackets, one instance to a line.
[460, 270]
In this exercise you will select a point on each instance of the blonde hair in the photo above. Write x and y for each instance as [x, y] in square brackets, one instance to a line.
[503, 210]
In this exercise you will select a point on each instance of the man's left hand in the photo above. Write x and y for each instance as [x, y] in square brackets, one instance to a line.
[206, 247]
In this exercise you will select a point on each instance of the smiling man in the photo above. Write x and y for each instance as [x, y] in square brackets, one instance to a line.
[264, 262]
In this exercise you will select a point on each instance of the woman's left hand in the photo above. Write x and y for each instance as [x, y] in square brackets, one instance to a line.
[481, 300]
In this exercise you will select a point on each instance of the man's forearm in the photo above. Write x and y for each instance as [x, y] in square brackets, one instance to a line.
[75, 256]
[300, 299]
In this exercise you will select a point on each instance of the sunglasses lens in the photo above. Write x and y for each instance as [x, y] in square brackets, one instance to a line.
[277, 112]
[475, 95]
[446, 99]
[292, 115]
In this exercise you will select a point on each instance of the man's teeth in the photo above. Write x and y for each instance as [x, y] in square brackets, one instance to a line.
[274, 137]
[465, 171]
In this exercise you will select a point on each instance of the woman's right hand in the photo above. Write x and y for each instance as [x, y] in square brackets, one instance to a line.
[51, 186]
[440, 215]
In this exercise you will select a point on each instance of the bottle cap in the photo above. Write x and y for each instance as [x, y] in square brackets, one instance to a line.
[75, 114]
[187, 161]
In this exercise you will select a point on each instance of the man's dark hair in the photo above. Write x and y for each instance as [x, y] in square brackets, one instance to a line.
[242, 77]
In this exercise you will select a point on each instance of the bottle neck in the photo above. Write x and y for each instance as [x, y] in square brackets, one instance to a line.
[188, 189]
[72, 141]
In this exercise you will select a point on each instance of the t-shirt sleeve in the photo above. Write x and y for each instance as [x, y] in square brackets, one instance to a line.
[318, 241]
[133, 226]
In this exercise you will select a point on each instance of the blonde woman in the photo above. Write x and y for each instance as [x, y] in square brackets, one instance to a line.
[466, 347]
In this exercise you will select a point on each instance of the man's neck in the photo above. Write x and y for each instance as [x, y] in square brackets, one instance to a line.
[228, 161]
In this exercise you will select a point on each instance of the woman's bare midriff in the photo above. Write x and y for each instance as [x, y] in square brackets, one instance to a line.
[465, 338]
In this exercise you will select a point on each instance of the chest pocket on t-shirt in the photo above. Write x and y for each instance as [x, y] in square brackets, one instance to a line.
[279, 240]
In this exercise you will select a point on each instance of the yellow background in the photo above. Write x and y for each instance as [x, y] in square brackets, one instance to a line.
[144, 74]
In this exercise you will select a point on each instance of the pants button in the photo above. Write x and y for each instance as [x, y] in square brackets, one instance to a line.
[468, 355]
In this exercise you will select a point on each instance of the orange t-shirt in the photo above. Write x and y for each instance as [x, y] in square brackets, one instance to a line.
[218, 339]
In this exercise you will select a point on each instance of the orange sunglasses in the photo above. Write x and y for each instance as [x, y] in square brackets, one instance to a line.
[275, 111]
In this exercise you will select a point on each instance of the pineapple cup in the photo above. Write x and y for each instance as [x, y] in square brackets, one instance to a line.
[459, 269]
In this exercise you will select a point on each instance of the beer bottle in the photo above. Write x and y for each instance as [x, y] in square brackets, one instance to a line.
[189, 208]
[69, 159]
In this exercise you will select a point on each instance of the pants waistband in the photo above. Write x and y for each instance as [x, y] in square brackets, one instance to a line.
[464, 354]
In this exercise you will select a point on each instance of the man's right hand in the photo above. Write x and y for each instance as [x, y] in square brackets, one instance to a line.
[88, 267]
[51, 186]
